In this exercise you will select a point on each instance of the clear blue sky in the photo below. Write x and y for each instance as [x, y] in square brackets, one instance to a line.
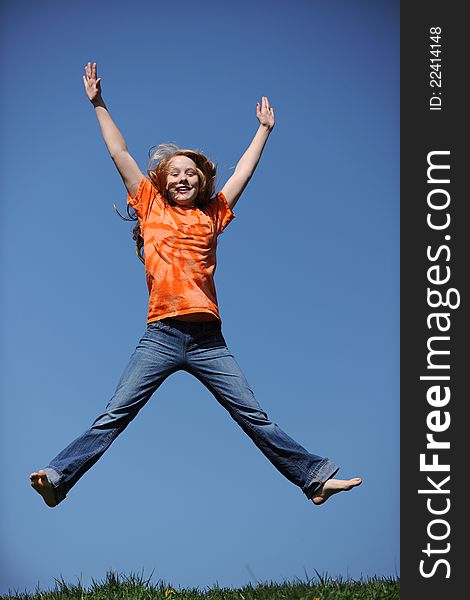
[307, 280]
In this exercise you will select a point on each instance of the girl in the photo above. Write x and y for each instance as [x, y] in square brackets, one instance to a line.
[179, 220]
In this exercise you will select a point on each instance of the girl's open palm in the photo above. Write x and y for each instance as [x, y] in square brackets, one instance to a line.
[91, 82]
[264, 113]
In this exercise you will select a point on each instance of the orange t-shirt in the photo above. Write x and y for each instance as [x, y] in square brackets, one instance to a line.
[180, 252]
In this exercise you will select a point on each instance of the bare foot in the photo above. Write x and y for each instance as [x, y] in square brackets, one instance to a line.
[42, 485]
[333, 486]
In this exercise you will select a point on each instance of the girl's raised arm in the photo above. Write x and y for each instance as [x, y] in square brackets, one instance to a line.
[126, 165]
[247, 164]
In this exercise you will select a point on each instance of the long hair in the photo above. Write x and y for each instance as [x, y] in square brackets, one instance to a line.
[157, 170]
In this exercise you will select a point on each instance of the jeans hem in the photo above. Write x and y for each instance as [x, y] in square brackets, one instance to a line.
[55, 478]
[323, 471]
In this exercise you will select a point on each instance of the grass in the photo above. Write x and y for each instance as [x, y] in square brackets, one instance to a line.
[135, 587]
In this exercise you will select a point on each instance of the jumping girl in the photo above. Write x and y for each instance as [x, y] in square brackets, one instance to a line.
[179, 220]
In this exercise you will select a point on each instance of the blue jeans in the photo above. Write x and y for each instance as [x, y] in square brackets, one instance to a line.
[199, 348]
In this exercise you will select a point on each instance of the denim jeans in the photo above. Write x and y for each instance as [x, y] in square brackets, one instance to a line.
[199, 348]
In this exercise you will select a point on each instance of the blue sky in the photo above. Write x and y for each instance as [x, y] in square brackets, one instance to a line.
[307, 281]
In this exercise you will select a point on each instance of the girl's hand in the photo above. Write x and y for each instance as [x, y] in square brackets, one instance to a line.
[92, 84]
[265, 114]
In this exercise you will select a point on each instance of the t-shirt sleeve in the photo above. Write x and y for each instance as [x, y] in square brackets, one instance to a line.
[222, 213]
[142, 201]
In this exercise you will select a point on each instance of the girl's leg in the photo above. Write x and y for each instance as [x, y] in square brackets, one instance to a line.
[209, 359]
[153, 360]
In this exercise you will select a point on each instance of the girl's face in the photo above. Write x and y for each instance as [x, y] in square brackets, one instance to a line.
[182, 181]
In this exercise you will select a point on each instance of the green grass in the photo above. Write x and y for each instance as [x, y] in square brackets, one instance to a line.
[136, 587]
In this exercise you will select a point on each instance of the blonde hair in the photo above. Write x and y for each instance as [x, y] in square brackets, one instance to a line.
[157, 170]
